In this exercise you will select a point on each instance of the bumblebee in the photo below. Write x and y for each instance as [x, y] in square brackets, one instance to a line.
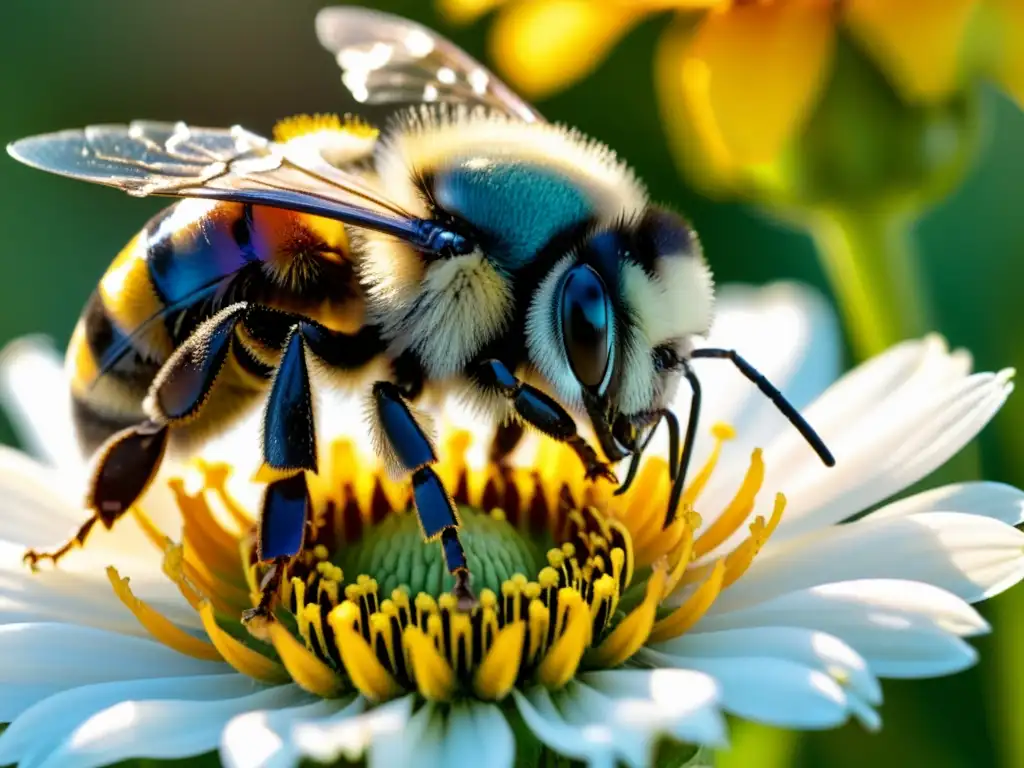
[471, 247]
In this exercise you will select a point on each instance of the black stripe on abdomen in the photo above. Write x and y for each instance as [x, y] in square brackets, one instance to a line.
[112, 348]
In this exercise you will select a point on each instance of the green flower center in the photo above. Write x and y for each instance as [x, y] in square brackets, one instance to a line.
[393, 553]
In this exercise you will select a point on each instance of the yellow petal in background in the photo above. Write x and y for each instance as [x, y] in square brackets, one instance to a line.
[542, 46]
[466, 11]
[918, 42]
[752, 73]
[1009, 64]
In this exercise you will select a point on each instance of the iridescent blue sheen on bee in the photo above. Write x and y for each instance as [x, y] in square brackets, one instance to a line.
[518, 205]
[191, 249]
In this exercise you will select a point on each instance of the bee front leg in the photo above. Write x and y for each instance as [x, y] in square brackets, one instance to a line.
[129, 460]
[289, 452]
[542, 412]
[407, 448]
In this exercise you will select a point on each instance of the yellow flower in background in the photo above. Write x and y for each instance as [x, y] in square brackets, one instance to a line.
[745, 74]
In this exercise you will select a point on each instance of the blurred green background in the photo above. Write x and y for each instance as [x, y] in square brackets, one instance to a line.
[217, 62]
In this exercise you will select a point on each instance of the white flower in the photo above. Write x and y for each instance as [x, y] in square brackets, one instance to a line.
[762, 606]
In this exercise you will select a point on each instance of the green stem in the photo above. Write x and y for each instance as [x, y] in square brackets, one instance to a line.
[869, 259]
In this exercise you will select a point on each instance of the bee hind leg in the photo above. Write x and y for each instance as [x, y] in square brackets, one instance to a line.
[129, 460]
[404, 443]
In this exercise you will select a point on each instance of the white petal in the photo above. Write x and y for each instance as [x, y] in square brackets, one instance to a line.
[35, 395]
[809, 648]
[37, 505]
[618, 715]
[262, 739]
[40, 507]
[895, 637]
[82, 598]
[972, 557]
[72, 656]
[421, 743]
[591, 745]
[20, 696]
[896, 444]
[160, 729]
[776, 691]
[478, 734]
[348, 735]
[854, 610]
[39, 729]
[995, 500]
[646, 703]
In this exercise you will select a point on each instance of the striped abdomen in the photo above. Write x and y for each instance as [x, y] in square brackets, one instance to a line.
[189, 261]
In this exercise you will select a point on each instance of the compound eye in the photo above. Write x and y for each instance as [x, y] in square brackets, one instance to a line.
[586, 326]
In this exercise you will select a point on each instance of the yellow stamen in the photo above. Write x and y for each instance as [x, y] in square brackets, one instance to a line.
[739, 560]
[158, 625]
[205, 585]
[205, 536]
[366, 672]
[690, 612]
[497, 673]
[434, 676]
[627, 638]
[738, 510]
[721, 433]
[564, 657]
[684, 556]
[238, 655]
[307, 670]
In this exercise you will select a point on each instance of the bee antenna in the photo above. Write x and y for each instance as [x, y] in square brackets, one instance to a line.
[772, 393]
[679, 480]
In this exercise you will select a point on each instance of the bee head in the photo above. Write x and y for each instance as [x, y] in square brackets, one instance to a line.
[611, 323]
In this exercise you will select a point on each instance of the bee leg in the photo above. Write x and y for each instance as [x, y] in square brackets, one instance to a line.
[289, 452]
[409, 448]
[538, 409]
[129, 460]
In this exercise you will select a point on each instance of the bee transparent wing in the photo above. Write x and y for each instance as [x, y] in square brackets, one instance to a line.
[386, 59]
[178, 160]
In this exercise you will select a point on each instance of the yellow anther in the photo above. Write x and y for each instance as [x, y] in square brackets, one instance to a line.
[548, 578]
[498, 515]
[447, 602]
[722, 431]
[555, 558]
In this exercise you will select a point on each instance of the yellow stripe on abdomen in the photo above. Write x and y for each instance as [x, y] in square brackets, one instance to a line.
[130, 300]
